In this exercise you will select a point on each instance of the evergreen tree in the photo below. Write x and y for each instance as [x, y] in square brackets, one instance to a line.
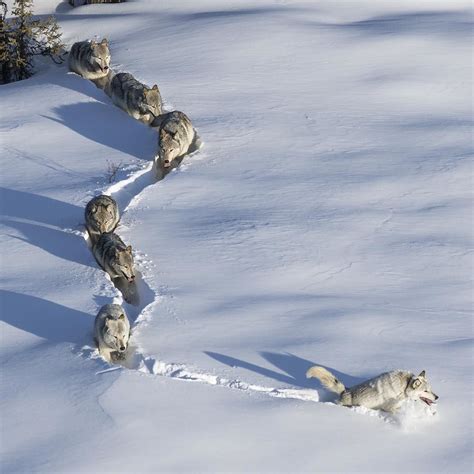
[22, 37]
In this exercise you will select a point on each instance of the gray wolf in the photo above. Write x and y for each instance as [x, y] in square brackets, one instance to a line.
[90, 59]
[101, 215]
[385, 392]
[112, 332]
[114, 256]
[141, 102]
[176, 137]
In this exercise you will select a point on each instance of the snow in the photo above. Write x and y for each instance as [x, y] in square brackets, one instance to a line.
[326, 220]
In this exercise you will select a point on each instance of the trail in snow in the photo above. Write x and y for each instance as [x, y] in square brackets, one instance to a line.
[140, 297]
[126, 193]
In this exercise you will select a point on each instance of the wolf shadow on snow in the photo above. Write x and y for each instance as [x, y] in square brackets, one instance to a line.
[109, 126]
[51, 321]
[292, 369]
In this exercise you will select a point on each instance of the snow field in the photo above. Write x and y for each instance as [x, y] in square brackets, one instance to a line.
[326, 221]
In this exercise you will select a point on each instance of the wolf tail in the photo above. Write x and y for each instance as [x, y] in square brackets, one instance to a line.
[326, 378]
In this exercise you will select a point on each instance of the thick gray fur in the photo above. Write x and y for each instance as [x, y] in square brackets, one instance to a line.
[104, 81]
[90, 59]
[114, 256]
[176, 137]
[138, 100]
[101, 215]
[385, 392]
[112, 332]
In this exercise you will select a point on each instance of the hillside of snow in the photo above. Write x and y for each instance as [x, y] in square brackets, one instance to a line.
[326, 220]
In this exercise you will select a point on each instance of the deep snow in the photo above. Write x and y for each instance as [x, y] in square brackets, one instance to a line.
[327, 219]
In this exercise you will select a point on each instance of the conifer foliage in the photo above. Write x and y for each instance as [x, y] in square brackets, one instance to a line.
[23, 37]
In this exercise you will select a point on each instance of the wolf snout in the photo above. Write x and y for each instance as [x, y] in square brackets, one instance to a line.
[167, 163]
[435, 396]
[132, 278]
[106, 68]
[122, 348]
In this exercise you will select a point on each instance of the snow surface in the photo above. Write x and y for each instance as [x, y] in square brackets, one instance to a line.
[326, 220]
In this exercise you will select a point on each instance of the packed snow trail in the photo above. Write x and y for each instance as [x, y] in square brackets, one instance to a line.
[126, 193]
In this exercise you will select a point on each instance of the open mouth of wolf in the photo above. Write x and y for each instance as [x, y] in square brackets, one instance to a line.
[130, 279]
[427, 401]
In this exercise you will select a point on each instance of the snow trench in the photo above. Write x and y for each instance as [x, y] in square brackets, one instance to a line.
[140, 297]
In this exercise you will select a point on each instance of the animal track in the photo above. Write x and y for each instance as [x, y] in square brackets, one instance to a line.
[142, 297]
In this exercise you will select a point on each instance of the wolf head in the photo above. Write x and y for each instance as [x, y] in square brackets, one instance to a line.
[101, 54]
[122, 263]
[169, 148]
[104, 217]
[419, 389]
[117, 330]
[150, 101]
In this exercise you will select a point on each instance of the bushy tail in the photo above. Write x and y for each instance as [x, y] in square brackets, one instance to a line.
[326, 378]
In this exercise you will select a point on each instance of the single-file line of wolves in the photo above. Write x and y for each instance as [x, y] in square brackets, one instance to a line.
[176, 138]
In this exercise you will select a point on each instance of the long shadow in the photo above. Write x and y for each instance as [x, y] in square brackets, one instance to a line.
[448, 23]
[234, 12]
[61, 244]
[452, 25]
[109, 126]
[25, 205]
[45, 319]
[294, 366]
[76, 83]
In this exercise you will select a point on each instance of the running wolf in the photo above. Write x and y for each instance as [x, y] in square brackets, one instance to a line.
[141, 102]
[90, 59]
[101, 215]
[114, 256]
[112, 332]
[176, 137]
[385, 392]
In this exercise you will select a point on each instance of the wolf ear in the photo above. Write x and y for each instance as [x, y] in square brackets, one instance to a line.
[94, 209]
[104, 41]
[422, 373]
[122, 317]
[129, 249]
[155, 87]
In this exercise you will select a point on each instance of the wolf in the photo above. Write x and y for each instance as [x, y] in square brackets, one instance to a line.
[90, 59]
[385, 392]
[114, 256]
[112, 332]
[101, 215]
[176, 137]
[141, 102]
